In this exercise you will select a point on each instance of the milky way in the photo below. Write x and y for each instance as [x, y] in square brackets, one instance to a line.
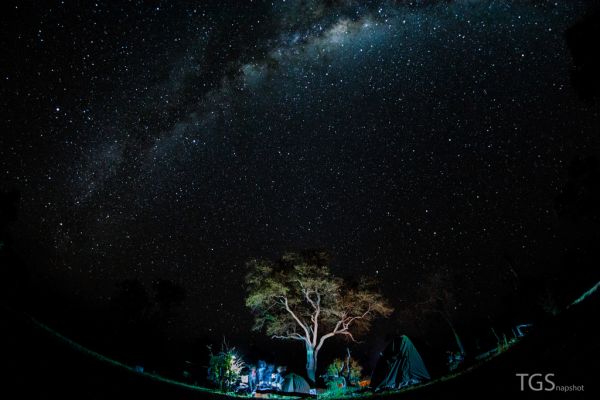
[177, 141]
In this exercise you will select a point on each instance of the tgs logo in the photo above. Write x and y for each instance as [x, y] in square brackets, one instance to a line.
[537, 382]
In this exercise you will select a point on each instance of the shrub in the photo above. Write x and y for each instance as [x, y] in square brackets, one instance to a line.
[225, 368]
[345, 372]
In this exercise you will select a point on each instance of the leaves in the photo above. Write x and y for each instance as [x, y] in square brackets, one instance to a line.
[348, 368]
[225, 368]
[298, 297]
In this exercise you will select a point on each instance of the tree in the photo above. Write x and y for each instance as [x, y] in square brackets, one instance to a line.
[297, 298]
[441, 300]
[225, 368]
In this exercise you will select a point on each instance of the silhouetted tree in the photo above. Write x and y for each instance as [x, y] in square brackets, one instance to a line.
[441, 300]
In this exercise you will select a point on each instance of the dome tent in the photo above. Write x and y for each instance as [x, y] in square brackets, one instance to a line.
[293, 383]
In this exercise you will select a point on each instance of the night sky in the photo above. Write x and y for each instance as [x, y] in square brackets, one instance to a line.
[175, 140]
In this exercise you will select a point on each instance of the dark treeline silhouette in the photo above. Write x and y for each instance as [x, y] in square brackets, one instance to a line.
[582, 39]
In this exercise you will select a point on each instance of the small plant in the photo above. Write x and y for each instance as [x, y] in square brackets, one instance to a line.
[225, 368]
[346, 372]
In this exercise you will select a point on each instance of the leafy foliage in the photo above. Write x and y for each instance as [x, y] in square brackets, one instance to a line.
[297, 298]
[348, 369]
[225, 368]
[302, 282]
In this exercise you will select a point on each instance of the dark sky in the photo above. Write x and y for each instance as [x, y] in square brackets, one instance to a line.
[175, 140]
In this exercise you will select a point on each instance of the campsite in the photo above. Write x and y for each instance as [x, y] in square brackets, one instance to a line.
[564, 344]
[299, 199]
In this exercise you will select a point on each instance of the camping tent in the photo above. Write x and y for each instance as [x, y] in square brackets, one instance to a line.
[399, 365]
[293, 383]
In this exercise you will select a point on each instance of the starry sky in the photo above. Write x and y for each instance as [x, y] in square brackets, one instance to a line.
[175, 140]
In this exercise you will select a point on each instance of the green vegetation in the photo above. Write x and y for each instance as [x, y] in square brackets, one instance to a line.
[344, 372]
[225, 368]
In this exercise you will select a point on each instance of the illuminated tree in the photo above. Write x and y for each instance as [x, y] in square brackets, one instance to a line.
[297, 298]
[225, 368]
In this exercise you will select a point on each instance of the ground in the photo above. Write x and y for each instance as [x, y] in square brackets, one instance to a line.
[44, 365]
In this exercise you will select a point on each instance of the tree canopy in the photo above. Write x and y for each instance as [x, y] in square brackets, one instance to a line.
[298, 298]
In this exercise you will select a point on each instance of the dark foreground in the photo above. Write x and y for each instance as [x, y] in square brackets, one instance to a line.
[41, 366]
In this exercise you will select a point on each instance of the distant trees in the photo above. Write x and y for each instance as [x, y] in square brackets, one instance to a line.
[297, 298]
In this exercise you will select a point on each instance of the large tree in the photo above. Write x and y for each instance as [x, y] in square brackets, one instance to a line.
[297, 298]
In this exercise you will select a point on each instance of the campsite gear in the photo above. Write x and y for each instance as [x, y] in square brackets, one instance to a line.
[399, 365]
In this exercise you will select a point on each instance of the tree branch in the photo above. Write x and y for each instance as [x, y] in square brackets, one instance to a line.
[328, 335]
[315, 319]
[316, 305]
[349, 334]
[344, 324]
[352, 319]
[294, 336]
[302, 325]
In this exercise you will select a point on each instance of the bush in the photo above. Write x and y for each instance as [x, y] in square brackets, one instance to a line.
[225, 368]
[335, 388]
[344, 372]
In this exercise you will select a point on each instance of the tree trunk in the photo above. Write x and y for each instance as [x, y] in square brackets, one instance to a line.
[461, 349]
[311, 364]
[347, 372]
